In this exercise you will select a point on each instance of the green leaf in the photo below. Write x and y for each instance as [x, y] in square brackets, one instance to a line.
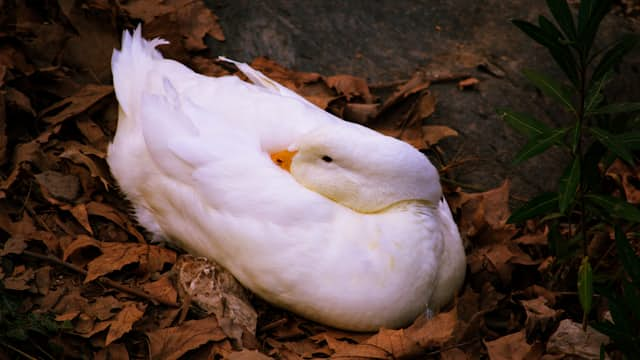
[539, 144]
[536, 33]
[615, 207]
[630, 140]
[569, 184]
[614, 55]
[627, 255]
[539, 205]
[559, 49]
[585, 285]
[594, 96]
[612, 143]
[562, 14]
[590, 14]
[550, 88]
[524, 123]
[617, 108]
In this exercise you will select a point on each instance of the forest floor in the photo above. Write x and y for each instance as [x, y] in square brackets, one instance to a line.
[80, 279]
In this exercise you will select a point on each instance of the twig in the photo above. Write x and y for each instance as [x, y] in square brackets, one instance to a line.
[272, 325]
[453, 346]
[383, 85]
[463, 185]
[11, 347]
[104, 280]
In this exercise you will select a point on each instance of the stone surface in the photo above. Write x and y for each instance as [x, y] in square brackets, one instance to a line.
[386, 41]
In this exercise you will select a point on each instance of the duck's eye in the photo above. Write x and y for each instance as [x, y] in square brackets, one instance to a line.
[327, 158]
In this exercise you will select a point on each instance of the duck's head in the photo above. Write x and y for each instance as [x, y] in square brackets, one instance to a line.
[360, 168]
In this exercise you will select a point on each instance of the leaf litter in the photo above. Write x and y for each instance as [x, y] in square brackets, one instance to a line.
[71, 248]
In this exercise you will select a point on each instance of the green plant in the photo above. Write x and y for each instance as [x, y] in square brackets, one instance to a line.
[624, 306]
[596, 132]
[21, 328]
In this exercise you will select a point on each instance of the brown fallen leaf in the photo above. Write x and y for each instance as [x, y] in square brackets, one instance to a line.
[116, 255]
[59, 186]
[468, 83]
[16, 99]
[418, 82]
[172, 343]
[80, 102]
[94, 135]
[124, 320]
[15, 245]
[20, 279]
[351, 87]
[509, 347]
[484, 215]
[81, 214]
[43, 279]
[162, 289]
[3, 124]
[215, 290]
[114, 351]
[434, 133]
[344, 349]
[537, 238]
[103, 307]
[73, 251]
[247, 355]
[411, 106]
[454, 354]
[570, 340]
[108, 212]
[79, 158]
[360, 113]
[540, 317]
[622, 173]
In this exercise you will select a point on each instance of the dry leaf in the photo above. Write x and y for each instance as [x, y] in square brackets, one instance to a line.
[19, 279]
[351, 87]
[434, 133]
[76, 104]
[509, 347]
[114, 351]
[570, 340]
[622, 173]
[124, 320]
[538, 238]
[468, 83]
[79, 158]
[172, 343]
[116, 255]
[162, 289]
[104, 307]
[82, 242]
[62, 187]
[216, 291]
[360, 113]
[540, 318]
[81, 214]
[15, 245]
[108, 212]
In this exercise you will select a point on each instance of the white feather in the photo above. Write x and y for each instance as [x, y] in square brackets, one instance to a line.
[192, 154]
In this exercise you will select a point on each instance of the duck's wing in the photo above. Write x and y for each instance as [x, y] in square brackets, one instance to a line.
[225, 167]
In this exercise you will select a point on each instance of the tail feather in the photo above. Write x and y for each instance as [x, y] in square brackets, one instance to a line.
[130, 66]
[261, 80]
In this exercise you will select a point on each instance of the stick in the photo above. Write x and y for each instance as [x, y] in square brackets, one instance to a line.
[104, 280]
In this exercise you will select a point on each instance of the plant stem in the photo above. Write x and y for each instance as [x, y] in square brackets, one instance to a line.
[578, 149]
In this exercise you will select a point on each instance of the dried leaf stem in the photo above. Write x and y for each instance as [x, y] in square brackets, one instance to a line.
[111, 283]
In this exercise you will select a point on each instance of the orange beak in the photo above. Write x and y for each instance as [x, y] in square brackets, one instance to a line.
[283, 159]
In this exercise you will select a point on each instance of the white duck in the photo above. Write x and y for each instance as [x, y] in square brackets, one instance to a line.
[353, 234]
